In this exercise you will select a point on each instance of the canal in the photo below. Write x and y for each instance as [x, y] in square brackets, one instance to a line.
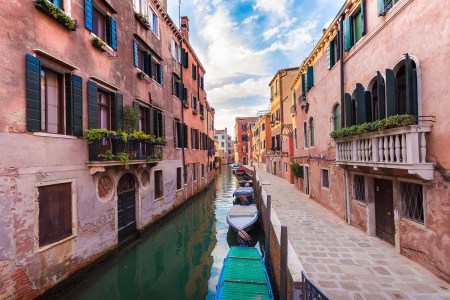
[178, 258]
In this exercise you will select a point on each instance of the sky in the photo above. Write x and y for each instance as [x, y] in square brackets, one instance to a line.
[242, 43]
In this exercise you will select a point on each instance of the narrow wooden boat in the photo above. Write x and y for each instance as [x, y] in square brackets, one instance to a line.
[246, 191]
[243, 276]
[242, 217]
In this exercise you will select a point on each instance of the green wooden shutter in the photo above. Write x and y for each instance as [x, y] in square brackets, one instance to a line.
[147, 121]
[303, 83]
[337, 44]
[135, 53]
[33, 93]
[92, 105]
[113, 33]
[381, 97]
[88, 14]
[74, 105]
[363, 108]
[148, 64]
[117, 112]
[391, 93]
[363, 17]
[161, 74]
[185, 135]
[152, 121]
[348, 34]
[409, 86]
[348, 110]
[415, 101]
[381, 7]
[368, 103]
[310, 76]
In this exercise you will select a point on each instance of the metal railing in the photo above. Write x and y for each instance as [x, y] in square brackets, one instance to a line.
[109, 148]
[310, 291]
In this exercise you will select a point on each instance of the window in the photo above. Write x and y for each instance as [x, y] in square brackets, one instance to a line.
[176, 51]
[244, 126]
[194, 103]
[140, 6]
[325, 180]
[276, 87]
[104, 109]
[153, 21]
[203, 170]
[157, 71]
[185, 175]
[202, 83]
[359, 190]
[194, 72]
[263, 127]
[337, 117]
[55, 213]
[202, 110]
[179, 178]
[177, 86]
[194, 171]
[311, 131]
[402, 93]
[305, 134]
[244, 138]
[215, 137]
[412, 201]
[353, 28]
[158, 184]
[223, 136]
[285, 167]
[158, 123]
[385, 5]
[333, 53]
[98, 24]
[58, 3]
[144, 119]
[295, 139]
[52, 105]
[177, 134]
[222, 144]
[143, 59]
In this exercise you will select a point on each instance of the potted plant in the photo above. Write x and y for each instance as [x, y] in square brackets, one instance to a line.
[123, 157]
[56, 13]
[95, 134]
[161, 141]
[141, 74]
[130, 118]
[107, 155]
[98, 43]
[143, 20]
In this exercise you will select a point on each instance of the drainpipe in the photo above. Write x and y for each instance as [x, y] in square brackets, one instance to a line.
[341, 65]
[182, 119]
[347, 196]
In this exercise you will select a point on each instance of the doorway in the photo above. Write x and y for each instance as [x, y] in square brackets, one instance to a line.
[306, 179]
[384, 210]
[126, 207]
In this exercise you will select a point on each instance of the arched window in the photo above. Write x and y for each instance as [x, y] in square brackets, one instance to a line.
[295, 138]
[337, 117]
[311, 130]
[354, 108]
[374, 101]
[305, 134]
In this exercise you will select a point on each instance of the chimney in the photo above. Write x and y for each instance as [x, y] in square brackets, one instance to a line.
[185, 27]
[323, 31]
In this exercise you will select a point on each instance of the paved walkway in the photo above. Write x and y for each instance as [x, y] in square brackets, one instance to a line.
[345, 262]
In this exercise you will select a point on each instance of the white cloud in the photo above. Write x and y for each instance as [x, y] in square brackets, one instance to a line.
[273, 31]
[278, 7]
[246, 88]
[250, 19]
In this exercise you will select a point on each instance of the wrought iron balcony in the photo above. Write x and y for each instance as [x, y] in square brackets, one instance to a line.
[397, 148]
[113, 151]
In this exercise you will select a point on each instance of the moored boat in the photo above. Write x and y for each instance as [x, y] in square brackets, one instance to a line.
[242, 217]
[243, 276]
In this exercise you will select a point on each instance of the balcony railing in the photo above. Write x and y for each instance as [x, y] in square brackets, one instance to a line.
[398, 148]
[110, 151]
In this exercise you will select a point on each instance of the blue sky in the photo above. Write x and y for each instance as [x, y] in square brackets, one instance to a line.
[243, 43]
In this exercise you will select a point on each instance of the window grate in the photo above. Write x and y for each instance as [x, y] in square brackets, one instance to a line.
[359, 190]
[325, 179]
[412, 201]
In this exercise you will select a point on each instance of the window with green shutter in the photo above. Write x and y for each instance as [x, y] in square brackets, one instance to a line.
[354, 27]
[100, 23]
[385, 5]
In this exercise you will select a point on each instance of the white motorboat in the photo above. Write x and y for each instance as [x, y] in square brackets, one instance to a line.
[242, 217]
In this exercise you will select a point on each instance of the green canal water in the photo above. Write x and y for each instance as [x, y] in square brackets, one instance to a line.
[179, 258]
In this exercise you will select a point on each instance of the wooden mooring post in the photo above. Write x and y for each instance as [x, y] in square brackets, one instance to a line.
[267, 232]
[283, 263]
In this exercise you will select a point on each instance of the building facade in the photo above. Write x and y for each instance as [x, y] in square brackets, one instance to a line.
[280, 122]
[112, 75]
[242, 130]
[225, 145]
[388, 175]
[261, 137]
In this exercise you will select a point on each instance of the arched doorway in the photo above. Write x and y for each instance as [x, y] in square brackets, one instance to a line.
[126, 207]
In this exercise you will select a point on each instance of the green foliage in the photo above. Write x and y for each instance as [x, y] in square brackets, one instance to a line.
[92, 135]
[297, 169]
[141, 136]
[365, 128]
[130, 118]
[143, 19]
[55, 12]
[98, 42]
[123, 157]
[107, 155]
[161, 140]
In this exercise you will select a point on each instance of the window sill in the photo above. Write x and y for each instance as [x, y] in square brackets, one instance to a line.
[60, 18]
[55, 135]
[45, 248]
[412, 222]
[361, 203]
[159, 199]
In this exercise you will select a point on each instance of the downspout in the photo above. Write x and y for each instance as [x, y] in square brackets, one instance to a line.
[347, 196]
[182, 121]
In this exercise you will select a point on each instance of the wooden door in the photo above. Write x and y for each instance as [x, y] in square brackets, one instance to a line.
[126, 207]
[306, 179]
[384, 210]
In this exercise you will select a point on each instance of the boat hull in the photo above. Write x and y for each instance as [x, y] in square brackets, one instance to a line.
[242, 217]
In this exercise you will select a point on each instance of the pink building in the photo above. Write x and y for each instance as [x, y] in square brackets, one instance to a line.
[243, 138]
[391, 183]
[99, 65]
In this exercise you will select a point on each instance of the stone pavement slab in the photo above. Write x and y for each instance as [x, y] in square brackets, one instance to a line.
[343, 261]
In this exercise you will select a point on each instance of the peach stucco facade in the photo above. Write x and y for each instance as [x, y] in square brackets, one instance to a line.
[422, 235]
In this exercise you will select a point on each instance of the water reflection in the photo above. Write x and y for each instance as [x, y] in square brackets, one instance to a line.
[180, 258]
